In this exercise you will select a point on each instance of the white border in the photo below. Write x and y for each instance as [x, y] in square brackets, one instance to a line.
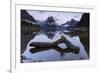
[16, 66]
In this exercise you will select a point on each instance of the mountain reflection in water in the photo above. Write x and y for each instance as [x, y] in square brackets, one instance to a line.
[50, 32]
[51, 54]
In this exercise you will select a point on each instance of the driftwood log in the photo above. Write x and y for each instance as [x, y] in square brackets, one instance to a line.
[42, 46]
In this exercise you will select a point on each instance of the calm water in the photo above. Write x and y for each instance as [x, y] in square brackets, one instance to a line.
[53, 55]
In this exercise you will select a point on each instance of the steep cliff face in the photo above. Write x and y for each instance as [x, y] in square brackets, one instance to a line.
[28, 26]
[27, 16]
[85, 21]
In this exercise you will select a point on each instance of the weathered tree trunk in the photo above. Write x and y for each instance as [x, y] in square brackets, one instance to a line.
[41, 46]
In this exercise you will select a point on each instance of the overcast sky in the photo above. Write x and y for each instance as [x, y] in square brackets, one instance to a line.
[60, 17]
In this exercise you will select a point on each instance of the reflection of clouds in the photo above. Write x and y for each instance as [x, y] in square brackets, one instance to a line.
[61, 17]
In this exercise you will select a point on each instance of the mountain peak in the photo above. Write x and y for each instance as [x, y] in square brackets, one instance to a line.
[27, 16]
[50, 19]
[84, 22]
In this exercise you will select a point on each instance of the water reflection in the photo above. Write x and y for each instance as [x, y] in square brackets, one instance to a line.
[51, 54]
[46, 36]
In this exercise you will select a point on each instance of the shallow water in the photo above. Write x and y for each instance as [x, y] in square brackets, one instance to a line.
[53, 55]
